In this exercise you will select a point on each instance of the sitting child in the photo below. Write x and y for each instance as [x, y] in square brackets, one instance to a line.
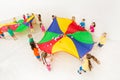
[86, 63]
[43, 57]
[102, 40]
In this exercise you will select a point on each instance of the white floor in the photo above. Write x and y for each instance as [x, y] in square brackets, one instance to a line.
[17, 62]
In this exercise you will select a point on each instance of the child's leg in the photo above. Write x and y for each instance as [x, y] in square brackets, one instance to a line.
[44, 61]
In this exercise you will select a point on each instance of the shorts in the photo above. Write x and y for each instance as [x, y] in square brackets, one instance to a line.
[2, 35]
[100, 45]
[38, 57]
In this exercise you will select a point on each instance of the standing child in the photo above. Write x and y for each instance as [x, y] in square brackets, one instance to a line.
[42, 27]
[39, 18]
[31, 27]
[43, 57]
[24, 17]
[33, 47]
[92, 27]
[28, 16]
[86, 63]
[82, 23]
[11, 33]
[30, 24]
[102, 39]
[31, 41]
[14, 20]
[53, 17]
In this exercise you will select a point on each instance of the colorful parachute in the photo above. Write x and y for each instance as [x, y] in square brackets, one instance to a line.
[65, 35]
[17, 27]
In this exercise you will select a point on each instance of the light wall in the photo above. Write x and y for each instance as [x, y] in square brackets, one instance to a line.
[104, 12]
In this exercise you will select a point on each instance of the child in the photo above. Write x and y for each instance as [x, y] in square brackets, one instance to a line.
[73, 18]
[28, 16]
[92, 27]
[11, 33]
[82, 23]
[34, 19]
[31, 40]
[39, 18]
[14, 20]
[43, 57]
[102, 39]
[86, 63]
[2, 34]
[31, 27]
[48, 61]
[53, 17]
[24, 17]
[30, 24]
[42, 27]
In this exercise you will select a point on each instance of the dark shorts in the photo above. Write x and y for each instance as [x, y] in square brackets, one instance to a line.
[2, 35]
[38, 57]
[100, 45]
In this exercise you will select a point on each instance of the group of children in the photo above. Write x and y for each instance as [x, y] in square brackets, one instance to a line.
[36, 20]
[40, 55]
[46, 58]
[86, 60]
[10, 31]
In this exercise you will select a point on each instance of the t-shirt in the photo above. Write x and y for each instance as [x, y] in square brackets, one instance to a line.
[82, 24]
[85, 64]
[31, 40]
[1, 32]
[91, 28]
[102, 40]
[10, 32]
[36, 52]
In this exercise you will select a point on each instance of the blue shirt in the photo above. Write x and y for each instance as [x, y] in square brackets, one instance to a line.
[82, 24]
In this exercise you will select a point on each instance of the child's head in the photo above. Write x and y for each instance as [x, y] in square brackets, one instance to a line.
[88, 56]
[39, 15]
[73, 18]
[27, 14]
[14, 18]
[104, 34]
[8, 27]
[53, 16]
[83, 19]
[33, 14]
[29, 35]
[94, 24]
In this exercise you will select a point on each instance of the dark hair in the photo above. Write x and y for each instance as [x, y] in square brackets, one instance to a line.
[32, 45]
[89, 56]
[53, 15]
[39, 17]
[94, 24]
